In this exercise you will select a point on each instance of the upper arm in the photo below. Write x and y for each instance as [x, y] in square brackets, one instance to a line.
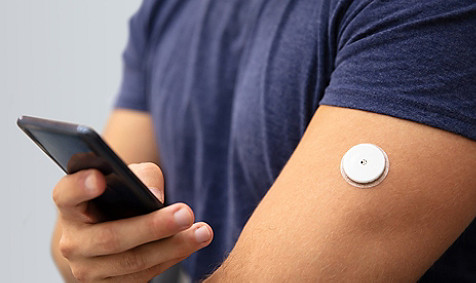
[131, 135]
[401, 59]
[313, 225]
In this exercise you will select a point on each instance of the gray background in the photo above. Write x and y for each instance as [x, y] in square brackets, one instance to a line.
[58, 59]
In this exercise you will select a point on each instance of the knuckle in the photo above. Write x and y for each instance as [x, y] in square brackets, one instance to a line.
[156, 226]
[56, 195]
[132, 262]
[66, 247]
[189, 245]
[184, 246]
[80, 273]
[107, 239]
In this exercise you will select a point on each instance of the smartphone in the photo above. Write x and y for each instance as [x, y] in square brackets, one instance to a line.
[76, 147]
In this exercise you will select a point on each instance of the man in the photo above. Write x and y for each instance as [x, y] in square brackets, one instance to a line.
[235, 93]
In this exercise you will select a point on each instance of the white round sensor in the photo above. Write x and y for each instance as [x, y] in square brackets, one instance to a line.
[364, 165]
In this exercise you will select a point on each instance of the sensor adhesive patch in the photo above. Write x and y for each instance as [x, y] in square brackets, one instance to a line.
[364, 165]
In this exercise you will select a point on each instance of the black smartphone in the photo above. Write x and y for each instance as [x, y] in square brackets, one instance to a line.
[76, 147]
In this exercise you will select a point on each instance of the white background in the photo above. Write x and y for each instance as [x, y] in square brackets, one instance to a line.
[59, 59]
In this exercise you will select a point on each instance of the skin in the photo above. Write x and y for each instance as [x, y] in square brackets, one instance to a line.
[312, 226]
[129, 250]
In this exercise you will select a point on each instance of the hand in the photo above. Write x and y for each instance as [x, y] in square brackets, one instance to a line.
[127, 250]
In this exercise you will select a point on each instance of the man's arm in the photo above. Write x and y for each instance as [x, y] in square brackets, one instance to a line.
[130, 134]
[313, 226]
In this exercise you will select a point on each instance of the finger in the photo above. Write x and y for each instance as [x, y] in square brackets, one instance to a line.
[73, 191]
[147, 256]
[145, 275]
[142, 276]
[121, 235]
[151, 175]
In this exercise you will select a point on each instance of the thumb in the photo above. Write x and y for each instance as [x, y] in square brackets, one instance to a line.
[151, 175]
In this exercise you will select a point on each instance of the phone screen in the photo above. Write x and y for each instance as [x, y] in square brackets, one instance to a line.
[72, 154]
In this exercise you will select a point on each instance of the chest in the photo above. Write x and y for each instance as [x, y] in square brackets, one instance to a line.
[236, 80]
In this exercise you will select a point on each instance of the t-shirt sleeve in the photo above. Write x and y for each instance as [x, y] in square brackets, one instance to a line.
[414, 60]
[133, 90]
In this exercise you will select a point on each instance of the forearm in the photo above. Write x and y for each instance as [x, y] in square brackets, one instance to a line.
[353, 254]
[131, 135]
[340, 257]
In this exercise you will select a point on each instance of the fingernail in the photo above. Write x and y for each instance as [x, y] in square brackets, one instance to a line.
[182, 218]
[90, 182]
[202, 234]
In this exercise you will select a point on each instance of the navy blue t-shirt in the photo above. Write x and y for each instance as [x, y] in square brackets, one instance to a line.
[232, 85]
